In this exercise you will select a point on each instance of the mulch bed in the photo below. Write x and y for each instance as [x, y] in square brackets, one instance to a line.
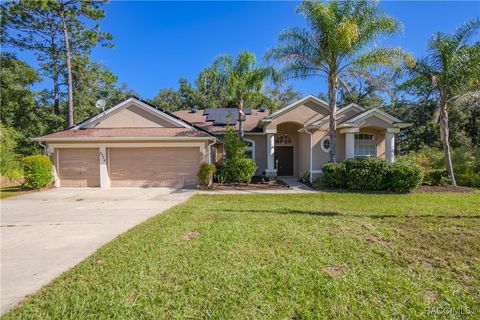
[447, 188]
[256, 184]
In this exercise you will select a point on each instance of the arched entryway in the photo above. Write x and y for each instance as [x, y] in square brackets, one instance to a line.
[286, 148]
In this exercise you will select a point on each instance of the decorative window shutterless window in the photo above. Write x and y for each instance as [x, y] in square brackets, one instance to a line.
[283, 139]
[325, 144]
[365, 145]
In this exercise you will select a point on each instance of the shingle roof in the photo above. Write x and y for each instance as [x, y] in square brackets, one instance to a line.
[200, 120]
[126, 133]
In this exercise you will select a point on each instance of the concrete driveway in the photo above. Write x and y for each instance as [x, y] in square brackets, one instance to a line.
[45, 233]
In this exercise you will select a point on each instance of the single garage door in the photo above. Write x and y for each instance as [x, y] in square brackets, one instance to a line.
[155, 167]
[78, 167]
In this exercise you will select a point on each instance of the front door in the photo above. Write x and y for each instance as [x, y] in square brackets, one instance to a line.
[284, 161]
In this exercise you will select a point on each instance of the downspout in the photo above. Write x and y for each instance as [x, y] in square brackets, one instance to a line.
[210, 151]
[44, 147]
[311, 154]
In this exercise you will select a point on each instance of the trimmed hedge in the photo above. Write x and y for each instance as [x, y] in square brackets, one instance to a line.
[37, 171]
[366, 174]
[334, 174]
[403, 177]
[372, 174]
[238, 170]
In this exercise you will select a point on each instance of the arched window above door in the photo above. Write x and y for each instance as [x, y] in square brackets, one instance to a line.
[283, 138]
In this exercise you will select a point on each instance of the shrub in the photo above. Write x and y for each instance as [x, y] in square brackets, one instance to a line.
[404, 177]
[466, 164]
[239, 170]
[468, 179]
[10, 165]
[334, 174]
[437, 177]
[366, 174]
[372, 174]
[37, 171]
[205, 174]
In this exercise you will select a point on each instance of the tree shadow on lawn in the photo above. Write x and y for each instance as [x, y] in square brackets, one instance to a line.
[338, 214]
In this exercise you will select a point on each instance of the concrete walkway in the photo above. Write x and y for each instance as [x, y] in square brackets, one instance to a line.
[295, 187]
[45, 233]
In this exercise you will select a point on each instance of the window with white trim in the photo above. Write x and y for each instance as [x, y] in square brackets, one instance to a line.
[365, 145]
[283, 139]
[325, 144]
[250, 149]
[365, 150]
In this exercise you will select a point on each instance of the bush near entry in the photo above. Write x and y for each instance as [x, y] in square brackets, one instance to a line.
[37, 171]
[237, 168]
[372, 174]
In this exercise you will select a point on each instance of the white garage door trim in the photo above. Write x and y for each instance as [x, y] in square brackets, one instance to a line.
[153, 166]
[104, 177]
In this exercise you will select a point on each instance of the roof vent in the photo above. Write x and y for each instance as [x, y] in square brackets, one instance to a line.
[262, 109]
[193, 110]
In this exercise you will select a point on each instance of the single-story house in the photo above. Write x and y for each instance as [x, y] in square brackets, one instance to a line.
[135, 144]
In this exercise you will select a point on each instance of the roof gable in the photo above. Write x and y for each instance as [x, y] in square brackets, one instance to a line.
[296, 104]
[352, 107]
[132, 113]
[374, 113]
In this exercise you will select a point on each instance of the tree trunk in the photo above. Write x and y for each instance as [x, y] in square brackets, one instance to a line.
[69, 72]
[240, 119]
[332, 103]
[56, 93]
[444, 134]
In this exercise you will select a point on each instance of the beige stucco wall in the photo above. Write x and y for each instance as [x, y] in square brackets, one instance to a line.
[306, 113]
[133, 117]
[260, 151]
[374, 121]
[303, 153]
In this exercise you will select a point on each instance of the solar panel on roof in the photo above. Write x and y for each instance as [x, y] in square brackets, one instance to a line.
[224, 116]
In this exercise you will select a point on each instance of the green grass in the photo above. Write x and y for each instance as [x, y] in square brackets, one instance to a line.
[326, 255]
[6, 192]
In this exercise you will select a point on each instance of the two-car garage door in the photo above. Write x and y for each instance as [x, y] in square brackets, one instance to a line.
[153, 166]
[130, 167]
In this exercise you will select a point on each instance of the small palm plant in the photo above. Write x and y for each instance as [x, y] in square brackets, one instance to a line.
[338, 43]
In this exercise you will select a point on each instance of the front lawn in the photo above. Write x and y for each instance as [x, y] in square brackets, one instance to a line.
[306, 256]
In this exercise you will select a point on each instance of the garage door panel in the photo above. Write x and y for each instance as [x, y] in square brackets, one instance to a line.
[78, 167]
[167, 166]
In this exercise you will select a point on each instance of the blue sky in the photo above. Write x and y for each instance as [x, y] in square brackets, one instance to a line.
[156, 43]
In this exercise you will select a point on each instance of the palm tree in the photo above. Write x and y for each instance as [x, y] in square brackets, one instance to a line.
[244, 81]
[451, 72]
[335, 46]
